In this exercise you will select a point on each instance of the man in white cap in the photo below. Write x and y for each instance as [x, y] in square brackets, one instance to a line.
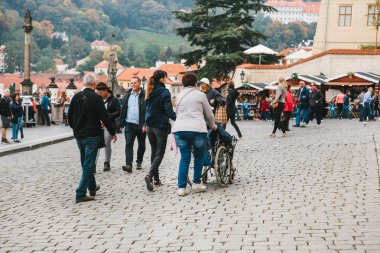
[214, 97]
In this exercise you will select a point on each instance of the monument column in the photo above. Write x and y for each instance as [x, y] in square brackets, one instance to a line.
[27, 84]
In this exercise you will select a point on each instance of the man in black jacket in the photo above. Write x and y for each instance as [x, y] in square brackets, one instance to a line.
[86, 113]
[132, 118]
[113, 108]
[5, 112]
[232, 96]
[315, 104]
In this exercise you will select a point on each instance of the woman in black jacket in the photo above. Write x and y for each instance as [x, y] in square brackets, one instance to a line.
[232, 96]
[159, 110]
[17, 113]
[113, 109]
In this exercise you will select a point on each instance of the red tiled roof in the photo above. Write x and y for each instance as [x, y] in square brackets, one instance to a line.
[297, 3]
[104, 65]
[98, 43]
[58, 61]
[102, 79]
[128, 73]
[41, 80]
[173, 69]
[312, 7]
[328, 52]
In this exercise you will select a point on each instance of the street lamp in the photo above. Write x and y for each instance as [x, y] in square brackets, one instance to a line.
[143, 80]
[242, 75]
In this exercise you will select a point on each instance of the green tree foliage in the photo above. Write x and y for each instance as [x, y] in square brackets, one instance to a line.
[152, 54]
[220, 31]
[45, 64]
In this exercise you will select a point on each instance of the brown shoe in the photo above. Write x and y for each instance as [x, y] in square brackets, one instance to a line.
[128, 168]
[85, 198]
[93, 192]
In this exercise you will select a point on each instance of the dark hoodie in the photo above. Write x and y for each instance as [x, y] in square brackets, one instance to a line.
[159, 108]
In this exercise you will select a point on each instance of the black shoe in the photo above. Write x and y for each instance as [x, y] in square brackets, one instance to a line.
[148, 181]
[48, 125]
[296, 125]
[93, 192]
[127, 168]
[85, 198]
[5, 141]
[22, 136]
[107, 166]
[287, 130]
[138, 166]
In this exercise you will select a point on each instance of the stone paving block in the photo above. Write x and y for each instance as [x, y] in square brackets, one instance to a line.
[282, 199]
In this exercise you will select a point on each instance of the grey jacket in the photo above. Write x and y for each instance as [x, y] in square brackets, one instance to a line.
[193, 112]
[280, 94]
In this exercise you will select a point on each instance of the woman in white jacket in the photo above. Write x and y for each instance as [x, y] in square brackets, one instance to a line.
[190, 131]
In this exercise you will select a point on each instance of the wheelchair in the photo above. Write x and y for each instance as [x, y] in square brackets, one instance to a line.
[219, 162]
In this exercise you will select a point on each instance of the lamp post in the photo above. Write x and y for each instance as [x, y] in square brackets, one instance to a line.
[242, 75]
[143, 80]
[27, 83]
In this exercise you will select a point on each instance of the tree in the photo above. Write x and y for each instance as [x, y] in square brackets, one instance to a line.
[45, 64]
[220, 31]
[152, 54]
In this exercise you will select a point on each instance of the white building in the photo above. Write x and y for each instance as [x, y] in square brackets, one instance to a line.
[99, 45]
[62, 35]
[297, 10]
[60, 65]
[2, 59]
[345, 24]
[298, 55]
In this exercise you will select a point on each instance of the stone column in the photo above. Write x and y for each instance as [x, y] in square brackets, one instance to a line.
[27, 83]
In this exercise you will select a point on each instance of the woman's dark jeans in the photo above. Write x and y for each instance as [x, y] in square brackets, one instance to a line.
[157, 139]
[277, 117]
[231, 112]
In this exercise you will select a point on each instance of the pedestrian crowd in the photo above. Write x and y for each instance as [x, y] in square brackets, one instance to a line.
[95, 115]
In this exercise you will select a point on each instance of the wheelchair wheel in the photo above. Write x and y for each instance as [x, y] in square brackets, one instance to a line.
[222, 166]
[205, 175]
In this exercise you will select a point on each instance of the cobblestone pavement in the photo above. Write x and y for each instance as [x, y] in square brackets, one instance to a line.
[314, 191]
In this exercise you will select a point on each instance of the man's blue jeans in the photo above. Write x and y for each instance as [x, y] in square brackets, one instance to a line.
[16, 127]
[361, 108]
[187, 141]
[346, 108]
[301, 113]
[367, 111]
[88, 147]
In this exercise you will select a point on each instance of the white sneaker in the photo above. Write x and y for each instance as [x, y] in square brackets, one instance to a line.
[182, 192]
[199, 187]
[284, 135]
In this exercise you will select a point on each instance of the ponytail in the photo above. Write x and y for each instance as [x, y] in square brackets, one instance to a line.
[157, 76]
[149, 87]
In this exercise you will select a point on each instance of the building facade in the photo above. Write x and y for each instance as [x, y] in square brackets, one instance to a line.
[346, 24]
[297, 10]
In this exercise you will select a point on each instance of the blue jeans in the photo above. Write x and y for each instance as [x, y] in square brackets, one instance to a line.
[16, 127]
[367, 111]
[361, 108]
[88, 147]
[345, 108]
[302, 114]
[186, 141]
[245, 114]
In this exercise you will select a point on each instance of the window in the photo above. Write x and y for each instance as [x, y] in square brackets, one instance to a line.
[345, 14]
[373, 14]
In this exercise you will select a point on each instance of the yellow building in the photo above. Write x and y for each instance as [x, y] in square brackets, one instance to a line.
[345, 24]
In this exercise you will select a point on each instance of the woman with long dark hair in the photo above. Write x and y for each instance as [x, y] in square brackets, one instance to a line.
[17, 113]
[159, 110]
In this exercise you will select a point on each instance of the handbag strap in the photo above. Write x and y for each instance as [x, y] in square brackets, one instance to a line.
[176, 109]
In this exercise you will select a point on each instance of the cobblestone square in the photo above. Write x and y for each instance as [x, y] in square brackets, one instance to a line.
[315, 191]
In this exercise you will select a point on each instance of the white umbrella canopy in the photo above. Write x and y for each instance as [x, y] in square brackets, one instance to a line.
[260, 49]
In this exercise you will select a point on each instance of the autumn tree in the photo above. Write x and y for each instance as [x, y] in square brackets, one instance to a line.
[220, 31]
